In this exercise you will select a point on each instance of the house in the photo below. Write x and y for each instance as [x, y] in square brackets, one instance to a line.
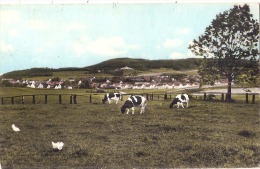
[58, 86]
[32, 85]
[40, 86]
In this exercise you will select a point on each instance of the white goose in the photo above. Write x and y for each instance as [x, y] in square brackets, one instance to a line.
[57, 145]
[15, 128]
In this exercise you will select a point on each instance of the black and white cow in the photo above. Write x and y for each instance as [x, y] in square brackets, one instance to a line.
[179, 100]
[112, 96]
[132, 102]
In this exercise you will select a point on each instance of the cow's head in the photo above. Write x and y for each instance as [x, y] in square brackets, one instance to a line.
[127, 105]
[175, 101]
[105, 99]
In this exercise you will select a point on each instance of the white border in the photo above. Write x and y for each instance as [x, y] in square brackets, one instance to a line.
[120, 1]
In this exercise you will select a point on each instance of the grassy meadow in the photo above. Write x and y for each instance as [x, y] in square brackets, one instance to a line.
[96, 135]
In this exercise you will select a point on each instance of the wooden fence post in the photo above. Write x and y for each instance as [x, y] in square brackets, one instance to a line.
[33, 99]
[12, 100]
[60, 100]
[2, 100]
[222, 96]
[226, 99]
[75, 99]
[147, 96]
[22, 99]
[165, 96]
[246, 97]
[90, 98]
[46, 99]
[70, 99]
[205, 96]
[253, 99]
[158, 96]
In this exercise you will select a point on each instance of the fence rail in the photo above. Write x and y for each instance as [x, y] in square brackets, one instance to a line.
[96, 98]
[211, 96]
[69, 98]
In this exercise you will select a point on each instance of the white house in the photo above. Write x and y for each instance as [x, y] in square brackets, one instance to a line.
[58, 86]
[40, 86]
[32, 85]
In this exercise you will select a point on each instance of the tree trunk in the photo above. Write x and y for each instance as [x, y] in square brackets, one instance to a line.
[229, 89]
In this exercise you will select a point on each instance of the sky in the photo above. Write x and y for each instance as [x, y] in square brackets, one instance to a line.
[57, 35]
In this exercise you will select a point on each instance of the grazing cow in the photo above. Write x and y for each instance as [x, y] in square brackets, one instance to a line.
[112, 96]
[179, 100]
[134, 101]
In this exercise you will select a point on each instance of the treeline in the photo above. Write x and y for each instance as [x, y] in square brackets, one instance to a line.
[33, 72]
[143, 64]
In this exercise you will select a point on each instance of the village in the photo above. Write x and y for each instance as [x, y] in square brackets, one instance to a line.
[158, 81]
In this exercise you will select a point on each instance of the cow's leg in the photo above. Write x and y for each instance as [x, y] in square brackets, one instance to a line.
[116, 101]
[178, 104]
[182, 105]
[133, 110]
[187, 104]
[109, 101]
[143, 108]
[127, 111]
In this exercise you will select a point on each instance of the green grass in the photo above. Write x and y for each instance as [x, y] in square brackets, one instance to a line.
[170, 71]
[207, 134]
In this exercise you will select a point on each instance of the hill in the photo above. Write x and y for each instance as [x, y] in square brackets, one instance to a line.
[144, 64]
[108, 67]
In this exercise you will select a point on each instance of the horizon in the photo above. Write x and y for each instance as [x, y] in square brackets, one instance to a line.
[78, 35]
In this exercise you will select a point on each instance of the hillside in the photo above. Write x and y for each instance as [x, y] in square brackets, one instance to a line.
[108, 67]
[144, 64]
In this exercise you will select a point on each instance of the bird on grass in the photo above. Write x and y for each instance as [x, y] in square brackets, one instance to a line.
[57, 145]
[15, 128]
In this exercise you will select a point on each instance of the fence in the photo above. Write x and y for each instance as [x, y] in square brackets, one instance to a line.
[96, 98]
[69, 98]
[223, 96]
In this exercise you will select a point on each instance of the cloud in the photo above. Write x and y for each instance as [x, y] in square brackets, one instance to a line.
[108, 46]
[177, 55]
[5, 47]
[78, 48]
[13, 33]
[104, 46]
[39, 24]
[182, 55]
[39, 50]
[9, 17]
[183, 31]
[172, 43]
[74, 26]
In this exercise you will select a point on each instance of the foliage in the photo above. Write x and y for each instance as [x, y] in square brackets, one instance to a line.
[29, 73]
[143, 64]
[229, 45]
[85, 84]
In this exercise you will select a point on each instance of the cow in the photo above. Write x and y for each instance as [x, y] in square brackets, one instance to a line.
[132, 102]
[112, 96]
[179, 100]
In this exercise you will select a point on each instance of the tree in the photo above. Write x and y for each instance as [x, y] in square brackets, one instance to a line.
[228, 45]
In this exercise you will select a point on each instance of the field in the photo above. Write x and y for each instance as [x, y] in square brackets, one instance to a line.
[96, 135]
